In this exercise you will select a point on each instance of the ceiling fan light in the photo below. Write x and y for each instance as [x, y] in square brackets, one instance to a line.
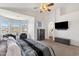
[45, 7]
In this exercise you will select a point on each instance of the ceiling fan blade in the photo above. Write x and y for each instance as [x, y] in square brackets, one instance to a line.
[49, 10]
[50, 4]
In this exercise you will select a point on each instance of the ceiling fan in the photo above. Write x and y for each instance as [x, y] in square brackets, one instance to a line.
[44, 7]
[50, 4]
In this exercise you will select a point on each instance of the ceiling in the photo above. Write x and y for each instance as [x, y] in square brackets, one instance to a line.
[29, 7]
[19, 5]
[23, 8]
[26, 5]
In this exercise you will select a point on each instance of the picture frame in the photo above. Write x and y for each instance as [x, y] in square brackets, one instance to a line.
[39, 24]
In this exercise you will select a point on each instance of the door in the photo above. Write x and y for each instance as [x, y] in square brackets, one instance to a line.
[40, 34]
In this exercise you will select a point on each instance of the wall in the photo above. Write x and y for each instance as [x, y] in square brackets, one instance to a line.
[51, 20]
[17, 16]
[69, 8]
[45, 18]
[73, 31]
[42, 17]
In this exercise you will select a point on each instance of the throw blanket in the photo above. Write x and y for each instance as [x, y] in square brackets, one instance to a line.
[3, 47]
[26, 49]
[13, 49]
[8, 47]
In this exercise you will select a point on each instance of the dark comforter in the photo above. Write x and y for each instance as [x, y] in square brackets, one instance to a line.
[33, 48]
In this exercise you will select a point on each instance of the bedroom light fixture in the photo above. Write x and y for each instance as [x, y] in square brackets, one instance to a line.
[44, 7]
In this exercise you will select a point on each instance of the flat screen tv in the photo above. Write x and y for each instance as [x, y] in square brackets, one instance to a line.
[61, 25]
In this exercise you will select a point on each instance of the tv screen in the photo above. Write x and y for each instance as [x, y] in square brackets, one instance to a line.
[61, 25]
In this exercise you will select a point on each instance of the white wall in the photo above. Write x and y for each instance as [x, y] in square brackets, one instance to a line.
[42, 17]
[51, 16]
[45, 18]
[69, 8]
[73, 31]
[17, 16]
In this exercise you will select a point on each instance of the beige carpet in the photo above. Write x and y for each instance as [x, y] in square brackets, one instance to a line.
[61, 49]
